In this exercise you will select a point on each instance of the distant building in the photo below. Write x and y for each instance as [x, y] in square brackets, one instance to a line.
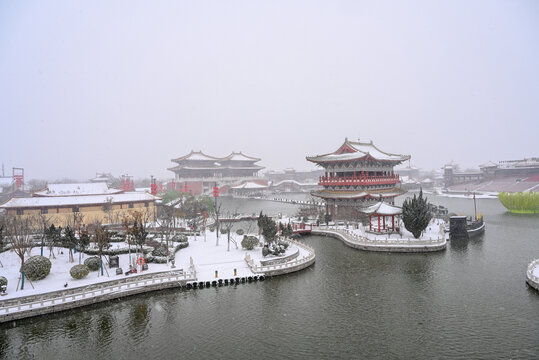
[95, 201]
[519, 168]
[356, 175]
[198, 172]
[292, 174]
[452, 177]
[77, 189]
[293, 186]
[102, 177]
[410, 171]
[508, 176]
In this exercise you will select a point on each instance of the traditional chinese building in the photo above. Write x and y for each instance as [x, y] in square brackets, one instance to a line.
[200, 172]
[357, 175]
[94, 201]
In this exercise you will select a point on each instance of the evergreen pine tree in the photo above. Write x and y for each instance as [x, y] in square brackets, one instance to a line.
[416, 214]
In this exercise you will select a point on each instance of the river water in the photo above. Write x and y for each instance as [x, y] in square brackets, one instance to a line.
[468, 302]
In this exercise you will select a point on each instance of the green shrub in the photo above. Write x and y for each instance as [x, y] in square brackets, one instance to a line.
[249, 242]
[79, 271]
[3, 281]
[520, 202]
[37, 267]
[240, 232]
[92, 263]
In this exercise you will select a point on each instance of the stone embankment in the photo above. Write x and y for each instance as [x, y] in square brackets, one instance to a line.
[388, 245]
[34, 305]
[532, 277]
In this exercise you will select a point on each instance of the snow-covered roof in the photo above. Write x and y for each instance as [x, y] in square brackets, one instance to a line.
[195, 155]
[487, 165]
[295, 182]
[240, 156]
[76, 200]
[328, 194]
[6, 181]
[199, 155]
[98, 188]
[350, 150]
[249, 185]
[382, 208]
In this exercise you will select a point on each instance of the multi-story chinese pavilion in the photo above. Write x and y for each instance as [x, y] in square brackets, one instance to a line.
[200, 172]
[357, 175]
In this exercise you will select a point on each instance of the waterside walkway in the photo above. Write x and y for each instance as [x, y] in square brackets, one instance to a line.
[387, 244]
[39, 304]
[22, 307]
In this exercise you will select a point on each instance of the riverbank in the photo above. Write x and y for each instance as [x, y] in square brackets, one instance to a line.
[206, 259]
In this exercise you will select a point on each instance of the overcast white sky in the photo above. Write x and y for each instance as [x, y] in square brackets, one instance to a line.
[125, 86]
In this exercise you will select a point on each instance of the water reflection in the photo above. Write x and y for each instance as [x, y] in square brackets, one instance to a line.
[469, 301]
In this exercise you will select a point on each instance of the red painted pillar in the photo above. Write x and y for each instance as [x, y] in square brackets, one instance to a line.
[384, 222]
[393, 222]
[378, 222]
[370, 222]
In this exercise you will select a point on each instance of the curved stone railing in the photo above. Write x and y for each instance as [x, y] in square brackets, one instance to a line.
[33, 305]
[388, 244]
[531, 279]
[284, 268]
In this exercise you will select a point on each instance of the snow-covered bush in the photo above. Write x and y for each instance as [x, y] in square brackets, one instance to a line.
[274, 249]
[37, 267]
[160, 251]
[283, 244]
[92, 263]
[3, 281]
[240, 232]
[179, 238]
[79, 271]
[249, 242]
[152, 258]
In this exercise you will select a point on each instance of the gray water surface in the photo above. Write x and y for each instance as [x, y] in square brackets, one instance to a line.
[468, 302]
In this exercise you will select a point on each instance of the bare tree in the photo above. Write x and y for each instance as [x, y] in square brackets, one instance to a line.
[107, 209]
[136, 224]
[204, 221]
[167, 222]
[43, 222]
[102, 241]
[53, 236]
[19, 230]
[217, 212]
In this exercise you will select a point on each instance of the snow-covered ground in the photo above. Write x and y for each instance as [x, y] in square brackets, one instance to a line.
[206, 255]
[435, 230]
[535, 270]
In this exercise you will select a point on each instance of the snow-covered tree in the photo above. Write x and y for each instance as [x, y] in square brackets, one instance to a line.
[416, 214]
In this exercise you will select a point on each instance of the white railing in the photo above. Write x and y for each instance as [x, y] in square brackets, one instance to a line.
[361, 240]
[73, 295]
[287, 265]
[531, 268]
